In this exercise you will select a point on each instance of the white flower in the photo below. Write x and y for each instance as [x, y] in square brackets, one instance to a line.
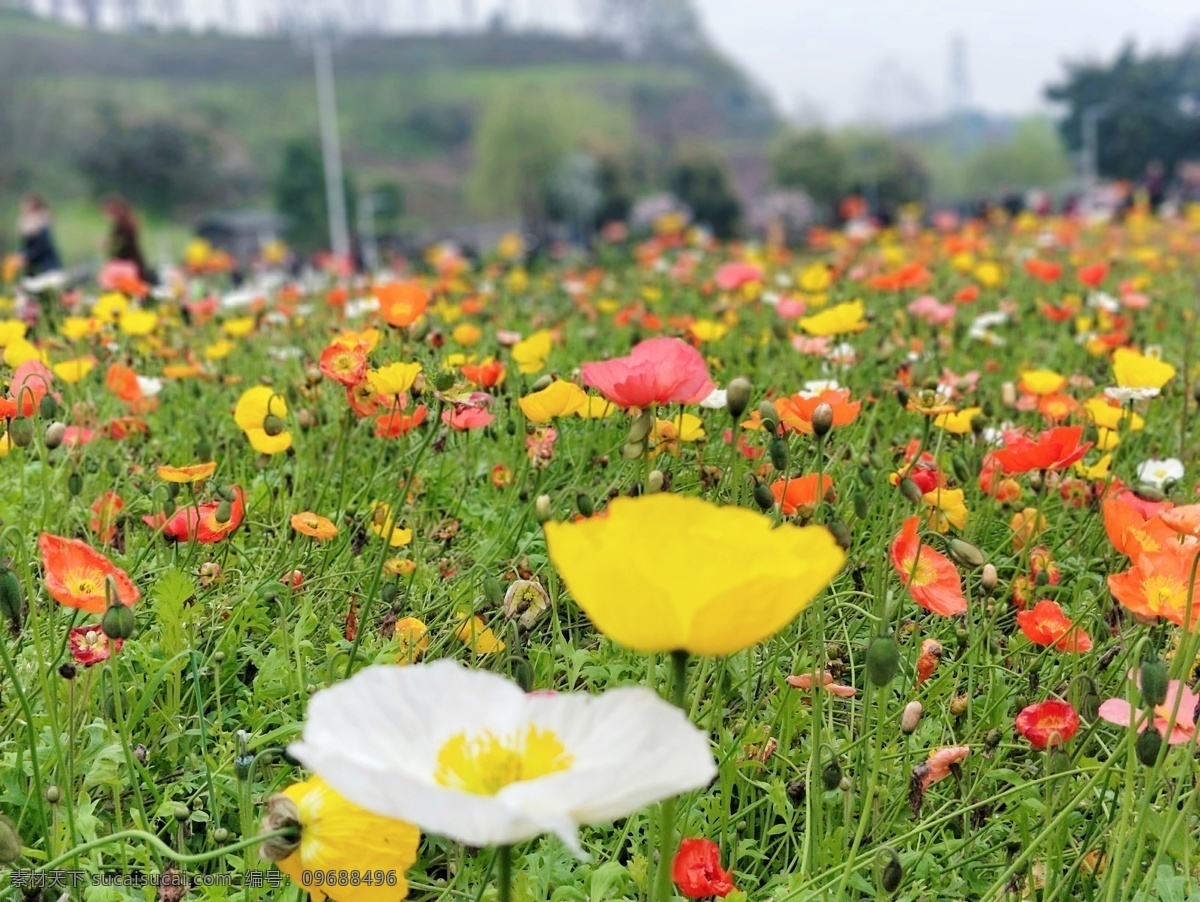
[149, 386]
[715, 401]
[1157, 473]
[1125, 395]
[814, 387]
[360, 306]
[1099, 300]
[467, 755]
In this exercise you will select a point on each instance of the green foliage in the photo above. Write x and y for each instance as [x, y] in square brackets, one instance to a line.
[299, 192]
[1148, 106]
[813, 161]
[702, 182]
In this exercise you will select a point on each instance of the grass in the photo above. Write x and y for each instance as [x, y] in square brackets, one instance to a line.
[220, 670]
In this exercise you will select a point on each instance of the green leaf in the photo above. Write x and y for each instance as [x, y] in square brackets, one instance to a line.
[171, 591]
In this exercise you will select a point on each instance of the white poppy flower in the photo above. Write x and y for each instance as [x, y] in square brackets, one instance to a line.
[467, 755]
[1125, 395]
[361, 306]
[149, 386]
[715, 401]
[1157, 473]
[814, 387]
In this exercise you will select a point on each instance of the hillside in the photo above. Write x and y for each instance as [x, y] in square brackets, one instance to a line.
[408, 106]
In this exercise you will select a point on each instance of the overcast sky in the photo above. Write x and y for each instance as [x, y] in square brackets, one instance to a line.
[847, 58]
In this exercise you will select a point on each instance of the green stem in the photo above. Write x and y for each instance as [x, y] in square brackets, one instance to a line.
[504, 872]
[666, 814]
[163, 849]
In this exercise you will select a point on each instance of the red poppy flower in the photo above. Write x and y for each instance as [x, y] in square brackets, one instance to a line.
[1048, 723]
[123, 427]
[801, 492]
[931, 578]
[77, 575]
[467, 417]
[90, 646]
[199, 523]
[1093, 274]
[394, 424]
[1046, 624]
[697, 870]
[1043, 270]
[658, 371]
[1054, 449]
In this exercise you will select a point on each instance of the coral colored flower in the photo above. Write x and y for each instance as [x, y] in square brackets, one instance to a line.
[337, 836]
[104, 516]
[666, 572]
[1131, 532]
[347, 365]
[657, 371]
[732, 276]
[1049, 723]
[931, 578]
[199, 523]
[464, 417]
[796, 412]
[1046, 624]
[807, 681]
[363, 399]
[77, 575]
[801, 492]
[401, 303]
[468, 755]
[938, 765]
[1157, 586]
[1043, 270]
[1054, 449]
[1184, 519]
[397, 423]
[186, 474]
[1180, 699]
[90, 646]
[488, 374]
[696, 870]
[558, 399]
[31, 381]
[1093, 274]
[313, 525]
[928, 660]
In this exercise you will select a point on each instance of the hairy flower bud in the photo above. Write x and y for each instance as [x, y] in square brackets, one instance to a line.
[654, 482]
[54, 434]
[542, 508]
[966, 554]
[737, 396]
[273, 425]
[822, 420]
[770, 416]
[989, 578]
[910, 490]
[910, 718]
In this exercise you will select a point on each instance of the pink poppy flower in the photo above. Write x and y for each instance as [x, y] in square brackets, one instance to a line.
[464, 418]
[930, 310]
[733, 276]
[31, 381]
[658, 371]
[77, 435]
[1135, 301]
[790, 308]
[118, 275]
[937, 767]
[818, 347]
[1120, 712]
[806, 681]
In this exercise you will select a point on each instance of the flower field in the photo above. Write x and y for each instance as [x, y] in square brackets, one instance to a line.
[690, 570]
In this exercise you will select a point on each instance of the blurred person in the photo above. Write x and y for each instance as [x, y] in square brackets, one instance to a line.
[124, 238]
[1155, 184]
[38, 251]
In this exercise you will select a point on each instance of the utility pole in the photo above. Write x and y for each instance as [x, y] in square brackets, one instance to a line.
[331, 148]
[1090, 151]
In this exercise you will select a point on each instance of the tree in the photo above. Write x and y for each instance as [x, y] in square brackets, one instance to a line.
[299, 189]
[702, 182]
[1148, 108]
[888, 172]
[1033, 157]
[812, 161]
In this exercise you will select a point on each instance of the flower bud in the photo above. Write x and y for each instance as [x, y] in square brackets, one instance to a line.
[1154, 682]
[117, 622]
[542, 508]
[988, 580]
[10, 842]
[831, 776]
[541, 383]
[737, 396]
[891, 872]
[861, 506]
[822, 420]
[305, 418]
[273, 425]
[883, 660]
[779, 454]
[75, 482]
[763, 496]
[20, 432]
[641, 427]
[48, 407]
[632, 450]
[224, 512]
[966, 554]
[654, 482]
[910, 490]
[910, 718]
[584, 503]
[53, 794]
[12, 605]
[1008, 394]
[959, 705]
[282, 814]
[54, 434]
[769, 416]
[1148, 745]
[962, 472]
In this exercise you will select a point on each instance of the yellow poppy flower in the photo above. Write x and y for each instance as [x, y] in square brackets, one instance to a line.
[1042, 382]
[815, 278]
[477, 635]
[1097, 471]
[367, 337]
[383, 525]
[22, 351]
[109, 307]
[189, 473]
[219, 349]
[395, 378]
[558, 399]
[1133, 369]
[596, 409]
[11, 330]
[138, 322]
[668, 573]
[708, 330]
[240, 327]
[412, 639]
[530, 355]
[466, 334]
[947, 508]
[337, 836]
[72, 371]
[959, 422]
[837, 320]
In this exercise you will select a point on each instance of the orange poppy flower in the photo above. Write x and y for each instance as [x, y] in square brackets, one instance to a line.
[1048, 723]
[1056, 407]
[1133, 534]
[104, 516]
[1157, 586]
[122, 382]
[486, 375]
[1046, 624]
[1184, 519]
[796, 412]
[364, 399]
[347, 365]
[1054, 449]
[927, 662]
[402, 303]
[200, 523]
[1043, 270]
[123, 427]
[395, 423]
[314, 526]
[801, 492]
[931, 578]
[1093, 274]
[1027, 524]
[77, 575]
[189, 473]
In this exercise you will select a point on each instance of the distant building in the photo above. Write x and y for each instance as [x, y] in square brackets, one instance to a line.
[241, 233]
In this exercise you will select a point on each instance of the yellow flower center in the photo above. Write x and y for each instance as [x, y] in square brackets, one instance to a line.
[485, 763]
[84, 582]
[1163, 593]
